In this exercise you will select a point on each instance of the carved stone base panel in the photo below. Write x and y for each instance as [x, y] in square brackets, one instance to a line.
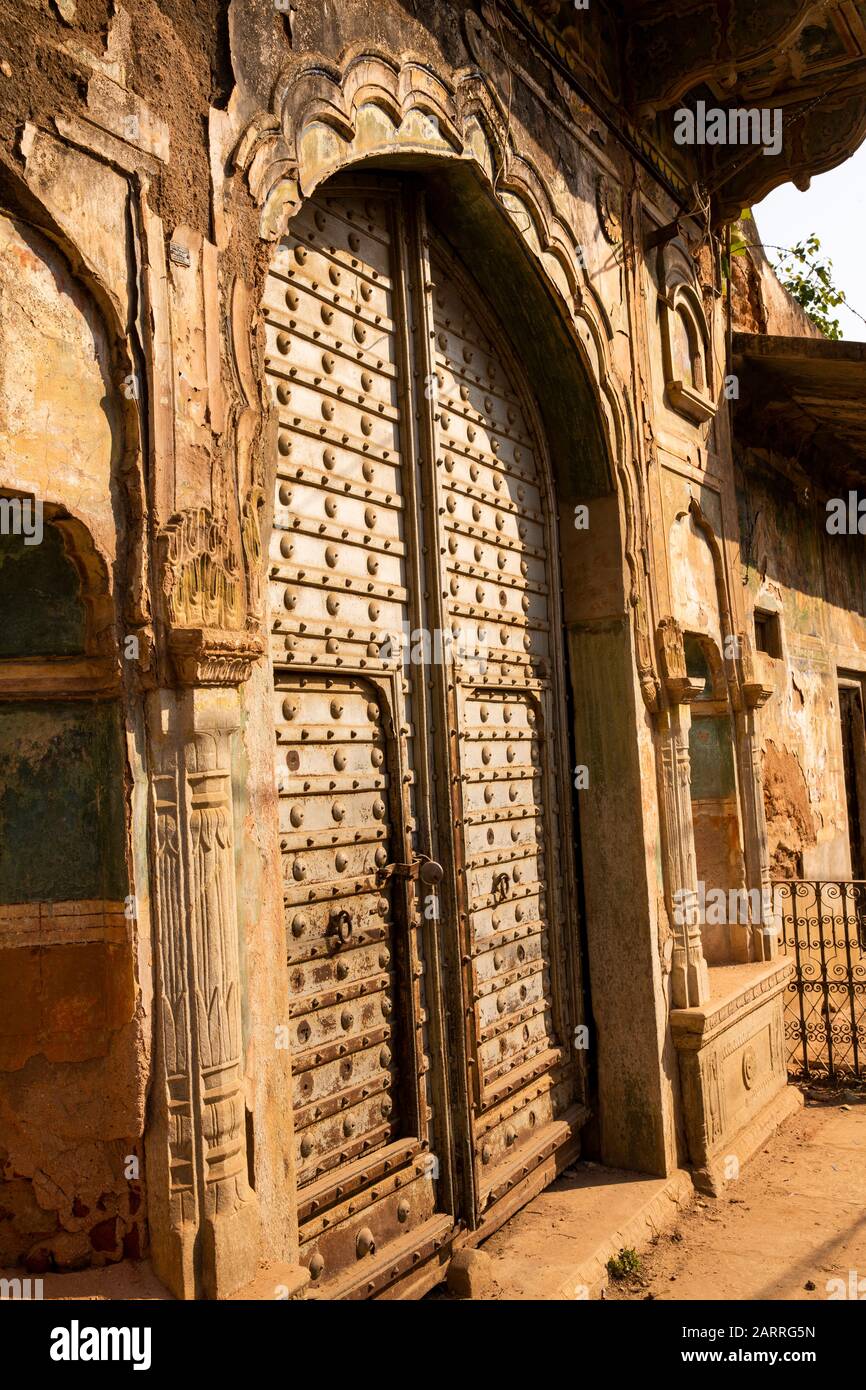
[198, 1099]
[732, 1065]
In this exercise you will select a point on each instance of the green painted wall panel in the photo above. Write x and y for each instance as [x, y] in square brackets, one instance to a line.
[61, 802]
[41, 612]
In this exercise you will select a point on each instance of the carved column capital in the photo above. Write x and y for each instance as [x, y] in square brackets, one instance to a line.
[210, 657]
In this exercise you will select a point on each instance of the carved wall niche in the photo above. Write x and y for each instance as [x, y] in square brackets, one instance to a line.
[686, 353]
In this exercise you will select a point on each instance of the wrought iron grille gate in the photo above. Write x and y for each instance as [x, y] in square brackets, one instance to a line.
[824, 932]
[418, 705]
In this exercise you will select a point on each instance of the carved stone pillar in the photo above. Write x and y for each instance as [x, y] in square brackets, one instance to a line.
[753, 694]
[203, 1213]
[689, 977]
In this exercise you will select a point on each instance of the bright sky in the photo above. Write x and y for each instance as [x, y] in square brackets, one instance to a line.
[834, 207]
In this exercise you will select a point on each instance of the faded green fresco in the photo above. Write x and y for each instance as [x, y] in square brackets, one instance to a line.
[61, 802]
[41, 613]
[712, 759]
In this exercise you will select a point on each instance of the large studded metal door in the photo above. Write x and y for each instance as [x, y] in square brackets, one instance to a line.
[417, 704]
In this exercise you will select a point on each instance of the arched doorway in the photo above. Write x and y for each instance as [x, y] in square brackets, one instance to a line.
[421, 752]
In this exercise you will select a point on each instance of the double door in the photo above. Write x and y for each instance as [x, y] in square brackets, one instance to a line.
[421, 750]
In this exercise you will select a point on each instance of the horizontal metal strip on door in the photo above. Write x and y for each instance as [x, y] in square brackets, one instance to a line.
[513, 458]
[290, 347]
[376, 431]
[491, 474]
[534, 1083]
[538, 1059]
[501, 508]
[328, 999]
[334, 1157]
[328, 400]
[518, 1087]
[342, 585]
[520, 946]
[522, 679]
[398, 1259]
[336, 1051]
[322, 1022]
[380, 472]
[514, 633]
[554, 1136]
[535, 1008]
[304, 257]
[497, 432]
[521, 1126]
[454, 457]
[310, 352]
[404, 1158]
[327, 894]
[301, 354]
[504, 936]
[330, 495]
[340, 1103]
[521, 1036]
[515, 815]
[362, 1203]
[350, 527]
[472, 387]
[514, 586]
[532, 989]
[494, 533]
[322, 243]
[302, 931]
[306, 299]
[331, 227]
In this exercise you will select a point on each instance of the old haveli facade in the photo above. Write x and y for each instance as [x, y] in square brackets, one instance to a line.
[387, 672]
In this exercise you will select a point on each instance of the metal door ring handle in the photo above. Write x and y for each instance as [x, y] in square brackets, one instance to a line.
[341, 926]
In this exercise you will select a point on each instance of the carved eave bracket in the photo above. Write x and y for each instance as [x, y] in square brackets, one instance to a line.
[754, 691]
[681, 688]
[680, 45]
[211, 640]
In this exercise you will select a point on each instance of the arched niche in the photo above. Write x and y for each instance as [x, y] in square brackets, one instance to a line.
[72, 1078]
[393, 110]
[686, 346]
[61, 424]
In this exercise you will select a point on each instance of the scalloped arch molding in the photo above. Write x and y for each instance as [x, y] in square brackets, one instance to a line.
[328, 117]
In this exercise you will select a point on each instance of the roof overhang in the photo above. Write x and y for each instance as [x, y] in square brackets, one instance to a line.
[805, 398]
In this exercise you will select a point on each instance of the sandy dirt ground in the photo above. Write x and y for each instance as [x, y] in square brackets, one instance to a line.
[793, 1222]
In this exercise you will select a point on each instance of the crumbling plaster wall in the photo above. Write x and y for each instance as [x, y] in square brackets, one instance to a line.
[73, 1047]
[816, 583]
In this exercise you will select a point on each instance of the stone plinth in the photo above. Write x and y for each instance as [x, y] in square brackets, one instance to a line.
[732, 1068]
